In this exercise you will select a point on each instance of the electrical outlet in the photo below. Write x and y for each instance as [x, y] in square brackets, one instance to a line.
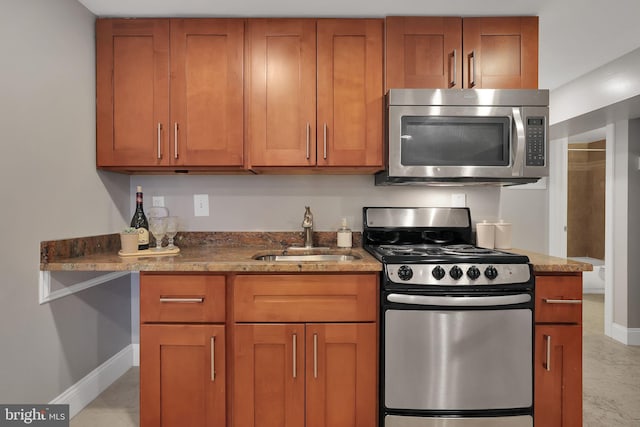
[157, 201]
[201, 204]
[458, 200]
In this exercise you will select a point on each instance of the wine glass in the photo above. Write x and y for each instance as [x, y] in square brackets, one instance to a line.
[172, 230]
[158, 227]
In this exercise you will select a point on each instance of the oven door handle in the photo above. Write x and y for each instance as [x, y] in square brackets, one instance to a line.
[459, 301]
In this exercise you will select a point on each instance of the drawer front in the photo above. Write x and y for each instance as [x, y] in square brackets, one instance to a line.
[558, 299]
[305, 298]
[182, 298]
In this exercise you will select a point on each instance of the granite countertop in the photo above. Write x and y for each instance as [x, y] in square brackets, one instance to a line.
[216, 252]
[549, 264]
[234, 252]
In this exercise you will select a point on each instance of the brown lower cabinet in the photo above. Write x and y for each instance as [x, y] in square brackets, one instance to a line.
[305, 350]
[182, 378]
[220, 350]
[558, 351]
[314, 375]
[183, 365]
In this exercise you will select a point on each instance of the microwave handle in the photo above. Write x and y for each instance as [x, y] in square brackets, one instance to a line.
[518, 161]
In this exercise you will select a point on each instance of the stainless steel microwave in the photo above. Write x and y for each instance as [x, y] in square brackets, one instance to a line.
[466, 136]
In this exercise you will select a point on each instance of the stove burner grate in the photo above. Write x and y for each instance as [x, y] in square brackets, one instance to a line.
[466, 250]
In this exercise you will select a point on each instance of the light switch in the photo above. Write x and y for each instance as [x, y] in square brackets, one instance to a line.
[201, 204]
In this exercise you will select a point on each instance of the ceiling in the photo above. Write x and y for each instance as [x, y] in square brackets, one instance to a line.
[576, 36]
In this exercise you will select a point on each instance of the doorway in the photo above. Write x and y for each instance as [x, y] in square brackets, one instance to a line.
[586, 184]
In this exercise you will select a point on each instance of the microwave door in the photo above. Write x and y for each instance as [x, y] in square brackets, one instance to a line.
[452, 142]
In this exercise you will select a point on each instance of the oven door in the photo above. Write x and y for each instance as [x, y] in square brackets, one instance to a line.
[462, 142]
[452, 354]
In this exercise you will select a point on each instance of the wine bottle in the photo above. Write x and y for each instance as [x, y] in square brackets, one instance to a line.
[140, 222]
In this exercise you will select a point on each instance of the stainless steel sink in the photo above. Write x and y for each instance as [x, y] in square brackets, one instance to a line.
[306, 257]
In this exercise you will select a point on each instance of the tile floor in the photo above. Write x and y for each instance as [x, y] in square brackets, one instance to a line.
[611, 383]
[611, 373]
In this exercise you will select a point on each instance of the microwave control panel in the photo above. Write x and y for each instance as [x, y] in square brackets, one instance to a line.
[535, 137]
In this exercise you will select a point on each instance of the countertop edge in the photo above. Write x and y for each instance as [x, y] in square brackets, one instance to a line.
[233, 252]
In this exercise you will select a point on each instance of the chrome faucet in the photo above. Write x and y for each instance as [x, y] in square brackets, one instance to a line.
[307, 225]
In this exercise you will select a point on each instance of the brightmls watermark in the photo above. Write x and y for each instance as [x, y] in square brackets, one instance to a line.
[34, 415]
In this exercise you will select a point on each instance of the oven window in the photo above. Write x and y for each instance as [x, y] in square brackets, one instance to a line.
[455, 141]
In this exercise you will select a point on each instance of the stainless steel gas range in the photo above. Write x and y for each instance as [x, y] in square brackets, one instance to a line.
[456, 323]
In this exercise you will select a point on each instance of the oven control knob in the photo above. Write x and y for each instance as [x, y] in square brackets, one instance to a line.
[491, 272]
[455, 272]
[473, 272]
[438, 272]
[405, 273]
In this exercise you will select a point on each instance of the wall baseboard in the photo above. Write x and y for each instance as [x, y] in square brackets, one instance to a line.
[136, 354]
[95, 382]
[627, 336]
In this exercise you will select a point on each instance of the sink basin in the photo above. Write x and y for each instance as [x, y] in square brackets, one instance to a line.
[306, 257]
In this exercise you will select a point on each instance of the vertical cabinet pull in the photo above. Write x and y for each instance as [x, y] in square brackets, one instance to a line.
[452, 81]
[472, 72]
[547, 344]
[295, 354]
[159, 140]
[325, 141]
[213, 358]
[308, 140]
[315, 355]
[175, 141]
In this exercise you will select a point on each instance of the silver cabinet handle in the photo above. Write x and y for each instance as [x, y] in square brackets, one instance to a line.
[213, 358]
[295, 353]
[459, 301]
[452, 82]
[562, 301]
[183, 300]
[325, 141]
[308, 140]
[315, 355]
[175, 141]
[547, 343]
[159, 140]
[472, 73]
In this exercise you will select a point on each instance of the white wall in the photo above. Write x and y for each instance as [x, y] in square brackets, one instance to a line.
[610, 95]
[276, 203]
[50, 190]
[527, 211]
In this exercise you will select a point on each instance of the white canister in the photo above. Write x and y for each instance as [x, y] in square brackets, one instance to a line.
[503, 235]
[485, 234]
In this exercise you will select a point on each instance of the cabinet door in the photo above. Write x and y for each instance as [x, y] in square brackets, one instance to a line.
[341, 375]
[206, 92]
[500, 53]
[558, 376]
[281, 87]
[269, 375]
[182, 375]
[350, 93]
[423, 52]
[132, 92]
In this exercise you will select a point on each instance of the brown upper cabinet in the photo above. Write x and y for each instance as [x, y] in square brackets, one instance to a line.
[452, 52]
[169, 93]
[315, 94]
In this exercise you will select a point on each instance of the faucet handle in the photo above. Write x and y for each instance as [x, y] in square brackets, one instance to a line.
[308, 217]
